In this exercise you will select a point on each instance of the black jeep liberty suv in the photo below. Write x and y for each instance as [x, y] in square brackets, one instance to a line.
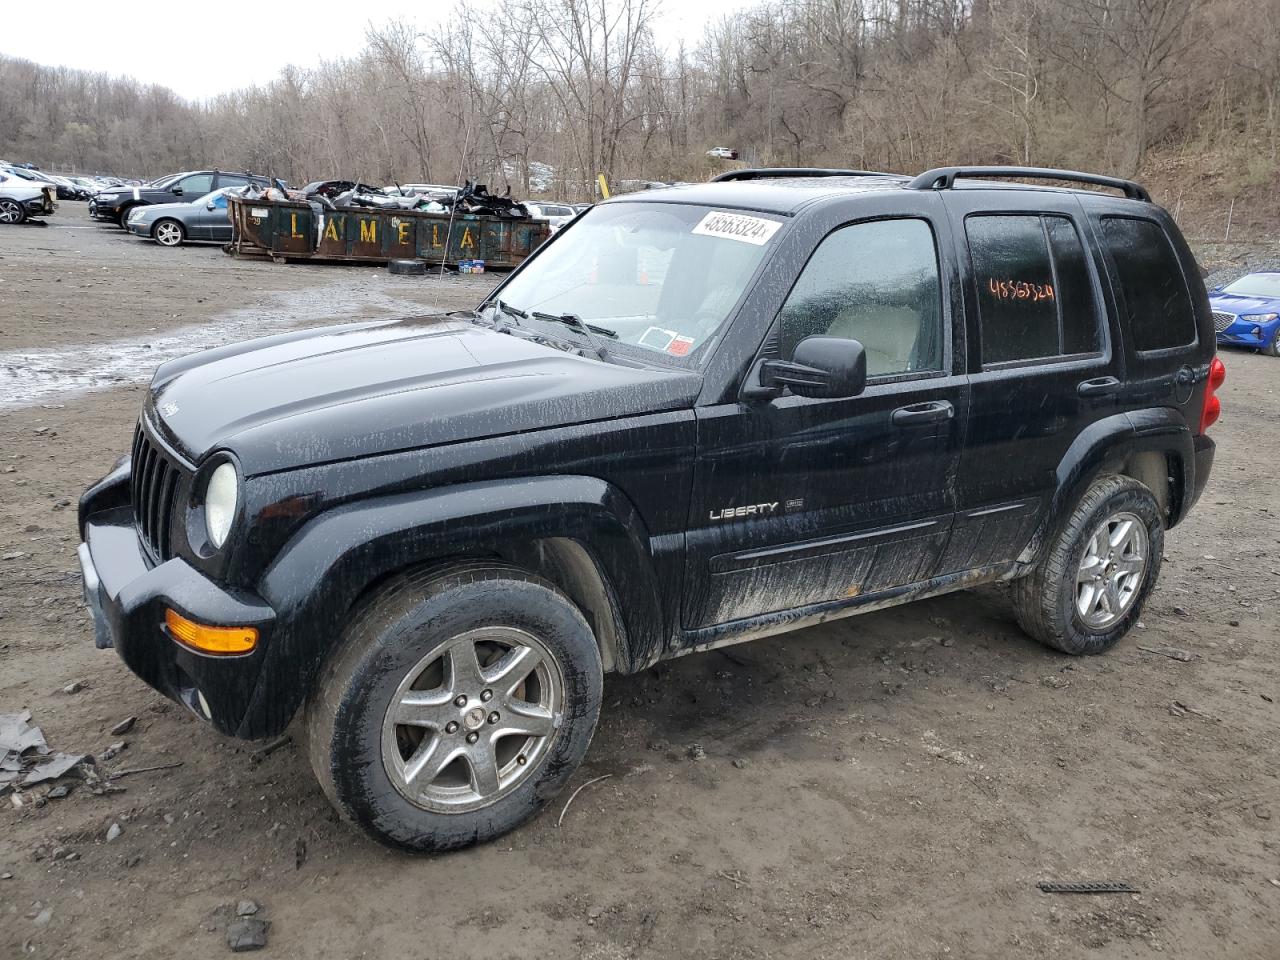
[695, 416]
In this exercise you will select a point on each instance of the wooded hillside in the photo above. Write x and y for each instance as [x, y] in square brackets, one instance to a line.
[1182, 93]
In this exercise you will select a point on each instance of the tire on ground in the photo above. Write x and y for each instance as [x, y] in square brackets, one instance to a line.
[407, 267]
[387, 636]
[1045, 599]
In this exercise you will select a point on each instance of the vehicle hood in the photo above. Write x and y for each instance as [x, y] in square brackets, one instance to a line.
[358, 390]
[1242, 306]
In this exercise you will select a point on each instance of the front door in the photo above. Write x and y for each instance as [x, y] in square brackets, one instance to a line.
[800, 501]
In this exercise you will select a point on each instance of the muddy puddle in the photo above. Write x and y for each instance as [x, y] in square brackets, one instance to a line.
[29, 377]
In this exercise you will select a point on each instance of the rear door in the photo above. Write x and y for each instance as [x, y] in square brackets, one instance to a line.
[801, 501]
[1042, 361]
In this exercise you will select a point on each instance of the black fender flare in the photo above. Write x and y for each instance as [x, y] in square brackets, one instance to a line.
[337, 556]
[1104, 447]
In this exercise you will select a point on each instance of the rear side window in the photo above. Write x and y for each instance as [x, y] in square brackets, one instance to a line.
[1035, 293]
[1157, 304]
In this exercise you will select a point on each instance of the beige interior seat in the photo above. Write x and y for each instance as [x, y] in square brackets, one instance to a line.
[888, 334]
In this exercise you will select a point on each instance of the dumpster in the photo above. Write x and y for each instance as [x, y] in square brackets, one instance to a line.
[295, 230]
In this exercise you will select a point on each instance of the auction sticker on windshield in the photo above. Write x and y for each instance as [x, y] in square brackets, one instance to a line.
[736, 226]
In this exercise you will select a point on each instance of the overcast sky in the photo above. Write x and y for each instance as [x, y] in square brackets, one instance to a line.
[200, 50]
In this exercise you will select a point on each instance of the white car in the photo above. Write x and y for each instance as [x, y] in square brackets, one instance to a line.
[556, 214]
[722, 153]
[21, 198]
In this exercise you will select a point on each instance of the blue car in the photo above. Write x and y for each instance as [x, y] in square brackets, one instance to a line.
[1246, 312]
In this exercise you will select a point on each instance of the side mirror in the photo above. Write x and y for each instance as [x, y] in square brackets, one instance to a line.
[176, 191]
[211, 205]
[821, 367]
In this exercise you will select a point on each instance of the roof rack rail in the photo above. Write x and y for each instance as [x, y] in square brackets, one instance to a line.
[760, 173]
[944, 178]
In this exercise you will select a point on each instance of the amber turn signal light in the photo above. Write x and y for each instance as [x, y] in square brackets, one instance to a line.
[215, 640]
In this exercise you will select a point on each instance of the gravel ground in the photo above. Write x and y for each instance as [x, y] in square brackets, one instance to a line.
[891, 785]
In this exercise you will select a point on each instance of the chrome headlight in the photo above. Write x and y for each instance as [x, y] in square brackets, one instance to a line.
[108, 196]
[221, 497]
[1258, 317]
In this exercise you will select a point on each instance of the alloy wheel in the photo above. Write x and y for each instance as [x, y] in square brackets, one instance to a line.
[168, 233]
[10, 212]
[1111, 570]
[471, 720]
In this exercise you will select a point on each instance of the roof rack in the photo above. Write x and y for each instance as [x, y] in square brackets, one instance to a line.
[760, 173]
[944, 178]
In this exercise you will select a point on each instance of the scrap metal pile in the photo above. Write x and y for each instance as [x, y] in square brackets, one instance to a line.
[472, 198]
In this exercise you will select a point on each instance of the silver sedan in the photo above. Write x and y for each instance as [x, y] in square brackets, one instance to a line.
[172, 224]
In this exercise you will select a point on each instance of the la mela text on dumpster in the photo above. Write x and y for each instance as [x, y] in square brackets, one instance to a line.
[336, 227]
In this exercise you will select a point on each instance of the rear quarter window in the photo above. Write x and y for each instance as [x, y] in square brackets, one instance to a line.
[1157, 311]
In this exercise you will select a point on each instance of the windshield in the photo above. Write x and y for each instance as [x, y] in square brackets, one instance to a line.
[662, 276]
[1255, 285]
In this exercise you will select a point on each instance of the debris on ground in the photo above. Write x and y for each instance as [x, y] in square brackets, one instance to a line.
[58, 765]
[1180, 709]
[247, 933]
[75, 686]
[696, 752]
[246, 908]
[124, 726]
[1101, 886]
[113, 832]
[17, 738]
[1173, 653]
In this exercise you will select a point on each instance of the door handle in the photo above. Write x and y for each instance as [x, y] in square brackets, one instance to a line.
[919, 414]
[1098, 387]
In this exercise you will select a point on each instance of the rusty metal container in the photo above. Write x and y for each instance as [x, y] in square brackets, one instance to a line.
[291, 230]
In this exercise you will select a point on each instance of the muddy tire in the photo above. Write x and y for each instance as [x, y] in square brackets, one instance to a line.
[459, 703]
[1089, 587]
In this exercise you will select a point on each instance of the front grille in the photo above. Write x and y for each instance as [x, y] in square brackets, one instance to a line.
[154, 482]
[1222, 320]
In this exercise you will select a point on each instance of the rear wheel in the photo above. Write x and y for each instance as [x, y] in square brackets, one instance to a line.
[168, 233]
[459, 704]
[11, 211]
[1088, 589]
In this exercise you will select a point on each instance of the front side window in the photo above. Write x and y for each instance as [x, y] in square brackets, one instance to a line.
[231, 180]
[1035, 293]
[1157, 303]
[662, 277]
[877, 283]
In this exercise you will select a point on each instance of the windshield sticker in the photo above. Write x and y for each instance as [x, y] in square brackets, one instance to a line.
[680, 346]
[735, 226]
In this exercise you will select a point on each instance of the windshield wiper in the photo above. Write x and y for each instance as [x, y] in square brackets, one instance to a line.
[507, 310]
[588, 330]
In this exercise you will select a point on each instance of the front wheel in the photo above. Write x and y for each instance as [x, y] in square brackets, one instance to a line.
[168, 233]
[458, 705]
[1088, 589]
[11, 211]
[1272, 349]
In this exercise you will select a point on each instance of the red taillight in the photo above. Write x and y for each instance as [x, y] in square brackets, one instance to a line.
[1212, 405]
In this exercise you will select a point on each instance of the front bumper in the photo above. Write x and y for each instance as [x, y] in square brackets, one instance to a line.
[139, 228]
[40, 207]
[127, 598]
[101, 211]
[1249, 334]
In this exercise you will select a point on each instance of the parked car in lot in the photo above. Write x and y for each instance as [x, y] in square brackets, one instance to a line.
[114, 205]
[722, 153]
[692, 418]
[172, 224]
[1246, 312]
[31, 175]
[21, 198]
[557, 214]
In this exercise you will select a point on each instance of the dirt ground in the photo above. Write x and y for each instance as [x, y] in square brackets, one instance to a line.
[893, 785]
